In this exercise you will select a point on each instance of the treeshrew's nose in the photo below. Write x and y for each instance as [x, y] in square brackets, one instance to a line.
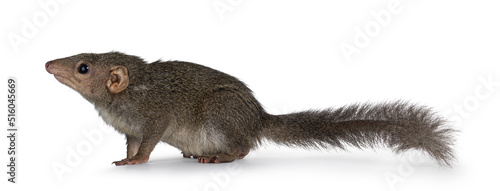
[47, 66]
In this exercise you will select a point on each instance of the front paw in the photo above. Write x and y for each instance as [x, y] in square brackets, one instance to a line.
[131, 161]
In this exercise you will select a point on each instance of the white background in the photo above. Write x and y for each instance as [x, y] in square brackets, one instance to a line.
[289, 52]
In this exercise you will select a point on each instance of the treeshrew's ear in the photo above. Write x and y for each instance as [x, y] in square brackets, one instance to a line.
[118, 79]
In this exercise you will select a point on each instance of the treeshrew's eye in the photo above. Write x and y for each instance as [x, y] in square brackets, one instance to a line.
[83, 69]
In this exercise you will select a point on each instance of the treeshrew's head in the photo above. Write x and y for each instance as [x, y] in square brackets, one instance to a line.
[94, 76]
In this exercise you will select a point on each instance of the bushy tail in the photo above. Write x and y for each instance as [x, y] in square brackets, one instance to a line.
[397, 125]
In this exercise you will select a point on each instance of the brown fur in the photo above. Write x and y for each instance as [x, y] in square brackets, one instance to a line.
[214, 117]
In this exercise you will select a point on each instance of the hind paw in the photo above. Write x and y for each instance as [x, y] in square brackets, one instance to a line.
[208, 159]
[216, 159]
